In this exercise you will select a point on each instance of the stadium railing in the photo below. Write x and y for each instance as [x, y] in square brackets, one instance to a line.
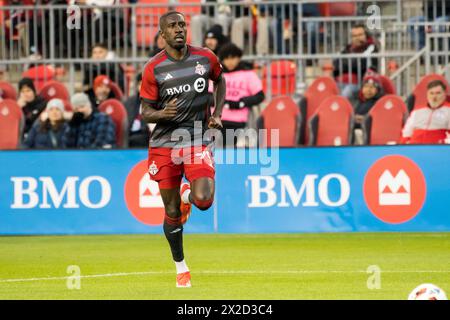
[128, 29]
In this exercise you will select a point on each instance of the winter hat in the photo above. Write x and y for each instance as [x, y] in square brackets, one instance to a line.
[215, 32]
[27, 82]
[80, 99]
[102, 79]
[55, 103]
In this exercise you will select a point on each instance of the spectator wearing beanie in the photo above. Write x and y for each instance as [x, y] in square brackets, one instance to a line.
[371, 91]
[138, 130]
[88, 128]
[48, 133]
[244, 90]
[32, 105]
[215, 39]
[101, 91]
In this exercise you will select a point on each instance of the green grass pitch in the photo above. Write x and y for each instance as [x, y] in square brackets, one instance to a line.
[269, 266]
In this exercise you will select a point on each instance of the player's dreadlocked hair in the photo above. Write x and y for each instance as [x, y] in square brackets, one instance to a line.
[162, 19]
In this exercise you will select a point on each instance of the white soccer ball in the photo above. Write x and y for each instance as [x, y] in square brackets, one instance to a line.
[427, 291]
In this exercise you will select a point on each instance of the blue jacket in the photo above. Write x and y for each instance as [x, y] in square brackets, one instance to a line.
[97, 131]
[48, 139]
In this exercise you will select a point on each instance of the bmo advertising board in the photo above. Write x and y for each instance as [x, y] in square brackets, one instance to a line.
[403, 188]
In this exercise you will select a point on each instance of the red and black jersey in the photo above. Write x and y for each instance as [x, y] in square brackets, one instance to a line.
[187, 80]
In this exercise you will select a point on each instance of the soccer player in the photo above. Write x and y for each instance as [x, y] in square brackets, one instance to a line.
[174, 95]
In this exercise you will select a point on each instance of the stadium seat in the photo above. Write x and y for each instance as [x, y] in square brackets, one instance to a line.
[419, 95]
[7, 91]
[68, 106]
[388, 85]
[118, 93]
[282, 77]
[147, 20]
[332, 124]
[317, 92]
[116, 110]
[283, 114]
[384, 123]
[338, 9]
[11, 124]
[40, 75]
[54, 89]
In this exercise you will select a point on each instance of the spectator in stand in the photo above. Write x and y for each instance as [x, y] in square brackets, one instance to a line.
[416, 28]
[244, 90]
[371, 91]
[216, 14]
[244, 16]
[48, 132]
[31, 103]
[349, 72]
[158, 45]
[138, 129]
[429, 124]
[114, 71]
[88, 128]
[215, 39]
[100, 91]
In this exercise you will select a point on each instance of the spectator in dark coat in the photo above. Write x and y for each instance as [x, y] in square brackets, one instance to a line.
[101, 91]
[348, 72]
[138, 131]
[48, 133]
[32, 104]
[371, 91]
[88, 128]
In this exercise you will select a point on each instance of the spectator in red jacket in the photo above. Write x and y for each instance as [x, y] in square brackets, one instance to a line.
[429, 124]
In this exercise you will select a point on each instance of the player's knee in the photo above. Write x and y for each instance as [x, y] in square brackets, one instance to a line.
[203, 201]
[172, 212]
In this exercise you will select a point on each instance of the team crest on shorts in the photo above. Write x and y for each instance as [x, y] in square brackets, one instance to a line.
[200, 69]
[153, 169]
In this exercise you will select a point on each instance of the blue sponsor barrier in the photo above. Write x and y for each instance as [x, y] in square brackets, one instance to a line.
[392, 188]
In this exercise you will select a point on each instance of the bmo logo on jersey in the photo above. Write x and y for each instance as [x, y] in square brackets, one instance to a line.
[199, 86]
[93, 192]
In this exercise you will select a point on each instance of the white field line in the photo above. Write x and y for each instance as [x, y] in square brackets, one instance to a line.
[218, 272]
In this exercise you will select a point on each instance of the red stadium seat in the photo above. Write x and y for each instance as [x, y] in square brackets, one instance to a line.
[332, 124]
[54, 89]
[283, 114]
[7, 91]
[338, 9]
[282, 77]
[118, 114]
[385, 121]
[68, 106]
[118, 93]
[388, 85]
[418, 97]
[317, 92]
[11, 124]
[147, 20]
[40, 75]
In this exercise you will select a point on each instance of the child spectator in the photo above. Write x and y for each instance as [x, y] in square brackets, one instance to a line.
[88, 128]
[32, 105]
[100, 91]
[48, 133]
[429, 124]
[244, 90]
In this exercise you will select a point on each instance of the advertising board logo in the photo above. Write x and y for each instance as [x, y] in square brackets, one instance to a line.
[142, 196]
[395, 189]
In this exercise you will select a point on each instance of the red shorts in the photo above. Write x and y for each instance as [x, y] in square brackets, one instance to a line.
[167, 165]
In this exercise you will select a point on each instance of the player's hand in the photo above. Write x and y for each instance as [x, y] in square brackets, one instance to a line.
[214, 122]
[170, 110]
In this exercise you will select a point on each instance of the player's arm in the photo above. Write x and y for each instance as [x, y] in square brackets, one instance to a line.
[219, 100]
[150, 114]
